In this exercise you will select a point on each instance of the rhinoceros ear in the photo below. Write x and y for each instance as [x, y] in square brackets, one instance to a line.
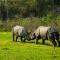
[34, 35]
[29, 32]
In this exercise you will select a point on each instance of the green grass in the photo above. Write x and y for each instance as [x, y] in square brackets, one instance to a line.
[10, 50]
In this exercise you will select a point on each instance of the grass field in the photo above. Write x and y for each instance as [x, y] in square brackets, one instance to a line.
[10, 50]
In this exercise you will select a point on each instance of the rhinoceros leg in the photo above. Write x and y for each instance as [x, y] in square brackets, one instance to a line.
[13, 37]
[16, 38]
[36, 40]
[24, 39]
[54, 42]
[43, 41]
[58, 43]
[21, 38]
[53, 38]
[57, 39]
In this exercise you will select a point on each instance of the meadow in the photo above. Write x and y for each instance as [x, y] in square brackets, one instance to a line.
[10, 50]
[29, 14]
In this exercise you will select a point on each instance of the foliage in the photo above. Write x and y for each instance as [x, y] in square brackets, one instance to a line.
[26, 8]
[30, 23]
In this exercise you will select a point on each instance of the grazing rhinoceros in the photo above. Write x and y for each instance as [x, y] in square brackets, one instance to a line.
[21, 32]
[45, 33]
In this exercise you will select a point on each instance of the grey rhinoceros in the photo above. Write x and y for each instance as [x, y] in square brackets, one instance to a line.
[21, 32]
[45, 33]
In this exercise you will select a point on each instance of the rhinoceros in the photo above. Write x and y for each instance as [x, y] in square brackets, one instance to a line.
[20, 31]
[45, 33]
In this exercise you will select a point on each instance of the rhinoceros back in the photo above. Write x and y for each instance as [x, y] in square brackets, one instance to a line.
[19, 30]
[42, 30]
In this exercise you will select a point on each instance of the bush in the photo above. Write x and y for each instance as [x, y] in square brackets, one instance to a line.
[30, 23]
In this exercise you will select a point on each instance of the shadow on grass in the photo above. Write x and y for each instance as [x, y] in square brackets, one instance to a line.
[5, 48]
[33, 42]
